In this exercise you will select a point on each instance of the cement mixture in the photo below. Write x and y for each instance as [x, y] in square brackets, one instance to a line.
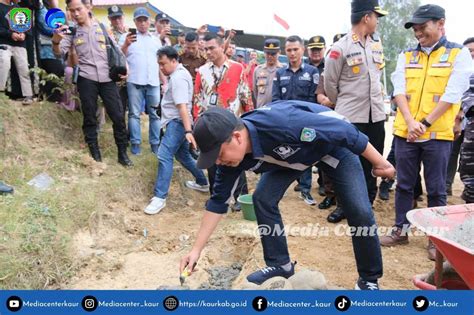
[221, 278]
[463, 233]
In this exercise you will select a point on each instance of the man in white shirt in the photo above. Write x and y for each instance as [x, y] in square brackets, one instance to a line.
[177, 123]
[143, 82]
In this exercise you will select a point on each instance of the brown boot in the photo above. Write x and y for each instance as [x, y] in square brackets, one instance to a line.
[395, 238]
[431, 251]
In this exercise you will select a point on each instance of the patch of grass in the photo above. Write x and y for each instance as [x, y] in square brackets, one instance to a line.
[37, 227]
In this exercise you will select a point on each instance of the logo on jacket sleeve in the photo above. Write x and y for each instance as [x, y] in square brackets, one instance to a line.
[285, 151]
[308, 134]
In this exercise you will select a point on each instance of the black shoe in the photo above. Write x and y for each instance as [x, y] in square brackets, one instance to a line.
[384, 190]
[297, 187]
[123, 157]
[306, 196]
[336, 216]
[5, 189]
[367, 285]
[321, 191]
[95, 151]
[327, 203]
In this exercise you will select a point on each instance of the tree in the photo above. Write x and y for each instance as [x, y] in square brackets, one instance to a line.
[395, 38]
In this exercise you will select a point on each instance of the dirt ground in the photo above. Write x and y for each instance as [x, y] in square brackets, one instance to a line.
[127, 249]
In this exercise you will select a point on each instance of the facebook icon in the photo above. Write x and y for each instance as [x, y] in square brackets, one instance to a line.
[260, 303]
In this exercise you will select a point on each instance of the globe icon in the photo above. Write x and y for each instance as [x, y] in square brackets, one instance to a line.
[171, 303]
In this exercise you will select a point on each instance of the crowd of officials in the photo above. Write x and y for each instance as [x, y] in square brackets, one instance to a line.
[176, 77]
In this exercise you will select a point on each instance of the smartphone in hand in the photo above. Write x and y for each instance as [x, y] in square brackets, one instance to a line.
[132, 31]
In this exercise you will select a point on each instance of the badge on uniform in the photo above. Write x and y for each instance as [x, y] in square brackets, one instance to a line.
[308, 134]
[285, 151]
[444, 58]
[79, 41]
[213, 99]
[283, 90]
[316, 78]
[356, 69]
[334, 54]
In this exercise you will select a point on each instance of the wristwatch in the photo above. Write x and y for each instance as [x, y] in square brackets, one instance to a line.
[425, 122]
[188, 131]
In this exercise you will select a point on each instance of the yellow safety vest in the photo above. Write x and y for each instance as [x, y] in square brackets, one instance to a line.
[426, 80]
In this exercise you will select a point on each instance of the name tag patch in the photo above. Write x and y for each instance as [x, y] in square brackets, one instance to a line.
[285, 151]
[441, 65]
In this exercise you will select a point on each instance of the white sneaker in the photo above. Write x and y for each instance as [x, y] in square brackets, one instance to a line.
[193, 185]
[155, 206]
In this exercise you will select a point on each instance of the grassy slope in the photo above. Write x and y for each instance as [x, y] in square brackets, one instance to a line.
[36, 228]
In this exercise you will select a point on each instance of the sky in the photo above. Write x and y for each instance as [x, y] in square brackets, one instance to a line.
[305, 17]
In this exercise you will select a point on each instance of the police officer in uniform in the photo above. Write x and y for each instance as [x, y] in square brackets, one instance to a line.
[90, 43]
[281, 141]
[316, 51]
[352, 79]
[264, 74]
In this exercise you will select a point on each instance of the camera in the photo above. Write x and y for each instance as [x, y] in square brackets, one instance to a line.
[71, 30]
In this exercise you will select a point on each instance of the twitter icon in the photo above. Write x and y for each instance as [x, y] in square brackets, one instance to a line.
[420, 303]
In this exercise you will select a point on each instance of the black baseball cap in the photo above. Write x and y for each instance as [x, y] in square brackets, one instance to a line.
[426, 13]
[212, 129]
[317, 42]
[362, 6]
[114, 11]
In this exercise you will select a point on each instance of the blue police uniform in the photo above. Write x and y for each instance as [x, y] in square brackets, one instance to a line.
[288, 137]
[300, 85]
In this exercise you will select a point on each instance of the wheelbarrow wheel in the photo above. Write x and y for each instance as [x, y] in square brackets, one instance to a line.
[449, 277]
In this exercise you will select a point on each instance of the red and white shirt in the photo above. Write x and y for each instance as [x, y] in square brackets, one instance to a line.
[226, 85]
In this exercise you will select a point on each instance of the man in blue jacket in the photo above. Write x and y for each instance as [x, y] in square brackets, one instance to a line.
[281, 141]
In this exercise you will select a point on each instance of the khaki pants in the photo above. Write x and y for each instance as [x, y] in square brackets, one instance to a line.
[21, 62]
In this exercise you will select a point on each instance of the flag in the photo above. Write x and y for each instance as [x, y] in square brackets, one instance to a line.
[282, 22]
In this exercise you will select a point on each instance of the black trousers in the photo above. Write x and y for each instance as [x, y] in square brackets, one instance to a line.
[453, 160]
[376, 134]
[241, 189]
[466, 165]
[88, 92]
